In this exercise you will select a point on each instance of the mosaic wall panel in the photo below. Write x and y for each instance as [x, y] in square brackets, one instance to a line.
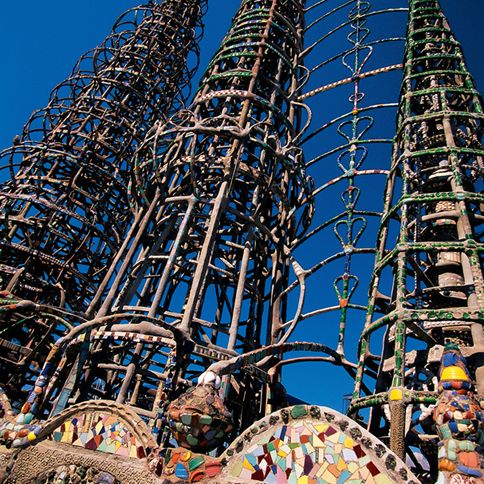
[99, 431]
[182, 465]
[309, 445]
[304, 452]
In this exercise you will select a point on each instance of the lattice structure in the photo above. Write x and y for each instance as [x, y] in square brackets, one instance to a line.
[346, 146]
[166, 282]
[188, 329]
[429, 243]
[65, 206]
[65, 209]
[219, 187]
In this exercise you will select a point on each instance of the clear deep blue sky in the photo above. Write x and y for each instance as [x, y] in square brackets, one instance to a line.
[41, 41]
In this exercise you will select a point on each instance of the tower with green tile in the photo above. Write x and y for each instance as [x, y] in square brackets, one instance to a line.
[427, 287]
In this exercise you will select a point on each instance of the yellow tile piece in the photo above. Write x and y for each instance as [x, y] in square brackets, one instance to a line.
[281, 453]
[341, 465]
[454, 373]
[247, 465]
[349, 443]
[396, 394]
[321, 427]
[303, 480]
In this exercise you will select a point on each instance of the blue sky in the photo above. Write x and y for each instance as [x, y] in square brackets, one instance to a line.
[41, 41]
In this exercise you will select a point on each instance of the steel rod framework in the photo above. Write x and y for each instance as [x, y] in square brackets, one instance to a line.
[65, 204]
[65, 208]
[178, 314]
[345, 152]
[219, 189]
[429, 242]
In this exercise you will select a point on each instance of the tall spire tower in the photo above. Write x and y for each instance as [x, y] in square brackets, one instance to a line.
[429, 243]
[218, 189]
[65, 205]
[66, 209]
[171, 371]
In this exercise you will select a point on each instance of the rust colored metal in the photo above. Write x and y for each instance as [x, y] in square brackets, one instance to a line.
[174, 319]
[221, 191]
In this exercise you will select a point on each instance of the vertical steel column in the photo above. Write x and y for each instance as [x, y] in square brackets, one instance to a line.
[66, 207]
[433, 209]
[219, 188]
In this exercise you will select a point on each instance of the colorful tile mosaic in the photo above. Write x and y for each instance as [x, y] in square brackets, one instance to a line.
[460, 422]
[18, 435]
[176, 464]
[101, 432]
[309, 444]
[199, 419]
[304, 452]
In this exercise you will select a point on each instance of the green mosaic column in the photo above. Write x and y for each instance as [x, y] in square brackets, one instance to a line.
[429, 244]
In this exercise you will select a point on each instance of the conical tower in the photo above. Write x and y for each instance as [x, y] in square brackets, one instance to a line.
[218, 189]
[65, 205]
[182, 356]
[429, 244]
[65, 208]
[173, 372]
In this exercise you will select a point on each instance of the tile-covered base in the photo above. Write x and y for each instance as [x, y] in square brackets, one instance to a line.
[99, 431]
[312, 445]
[297, 445]
[49, 461]
[75, 474]
[198, 419]
[183, 465]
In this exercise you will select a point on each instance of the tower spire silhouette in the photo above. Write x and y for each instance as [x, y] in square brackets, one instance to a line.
[65, 208]
[429, 243]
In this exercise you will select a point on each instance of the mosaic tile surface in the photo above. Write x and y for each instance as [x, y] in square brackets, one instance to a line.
[459, 420]
[182, 465]
[101, 432]
[305, 452]
[199, 419]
